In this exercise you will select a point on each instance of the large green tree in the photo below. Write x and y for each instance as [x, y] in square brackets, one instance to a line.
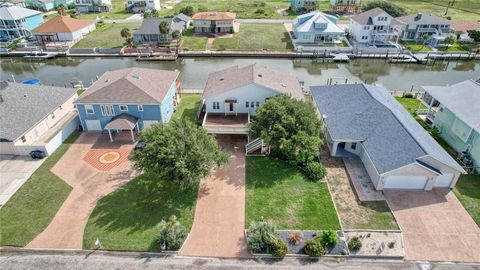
[389, 7]
[290, 127]
[179, 151]
[474, 34]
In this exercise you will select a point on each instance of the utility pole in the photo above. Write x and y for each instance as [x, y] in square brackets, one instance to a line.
[450, 4]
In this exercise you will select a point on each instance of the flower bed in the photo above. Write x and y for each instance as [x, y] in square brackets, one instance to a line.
[378, 243]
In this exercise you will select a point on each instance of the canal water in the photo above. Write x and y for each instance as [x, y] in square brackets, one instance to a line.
[194, 71]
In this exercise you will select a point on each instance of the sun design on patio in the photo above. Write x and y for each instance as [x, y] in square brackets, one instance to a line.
[109, 157]
[106, 159]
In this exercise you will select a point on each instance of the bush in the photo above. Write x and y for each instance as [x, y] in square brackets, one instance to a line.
[408, 95]
[172, 234]
[260, 236]
[278, 247]
[391, 244]
[329, 238]
[260, 11]
[315, 171]
[295, 237]
[314, 248]
[354, 244]
[389, 7]
[188, 10]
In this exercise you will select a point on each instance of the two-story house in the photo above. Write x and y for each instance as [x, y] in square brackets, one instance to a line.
[47, 5]
[129, 99]
[303, 6]
[374, 27]
[141, 6]
[316, 28]
[345, 6]
[213, 22]
[85, 6]
[418, 25]
[149, 32]
[17, 22]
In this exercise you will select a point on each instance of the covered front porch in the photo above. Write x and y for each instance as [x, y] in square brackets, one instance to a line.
[122, 122]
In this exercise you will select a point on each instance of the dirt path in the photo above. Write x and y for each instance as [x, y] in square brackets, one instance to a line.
[218, 228]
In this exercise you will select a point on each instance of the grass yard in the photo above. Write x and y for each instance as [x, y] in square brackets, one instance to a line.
[282, 195]
[411, 104]
[34, 205]
[467, 191]
[128, 218]
[459, 47]
[415, 47]
[117, 12]
[187, 109]
[256, 37]
[108, 36]
[193, 42]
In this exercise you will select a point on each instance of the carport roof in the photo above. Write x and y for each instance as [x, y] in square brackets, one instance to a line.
[369, 114]
[123, 121]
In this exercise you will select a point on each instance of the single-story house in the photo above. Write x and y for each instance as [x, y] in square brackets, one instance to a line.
[316, 28]
[232, 95]
[17, 22]
[35, 117]
[129, 99]
[302, 6]
[149, 31]
[462, 28]
[63, 29]
[418, 25]
[213, 22]
[455, 111]
[365, 121]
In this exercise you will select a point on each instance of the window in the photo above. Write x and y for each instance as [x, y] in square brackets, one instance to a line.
[246, 104]
[53, 115]
[107, 110]
[252, 104]
[216, 105]
[23, 139]
[258, 103]
[366, 27]
[123, 108]
[140, 108]
[89, 109]
[354, 146]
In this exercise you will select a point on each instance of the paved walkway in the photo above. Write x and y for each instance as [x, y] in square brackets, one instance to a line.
[218, 228]
[361, 180]
[435, 226]
[89, 185]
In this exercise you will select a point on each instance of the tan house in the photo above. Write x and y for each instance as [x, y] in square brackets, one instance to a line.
[213, 22]
[63, 30]
[35, 117]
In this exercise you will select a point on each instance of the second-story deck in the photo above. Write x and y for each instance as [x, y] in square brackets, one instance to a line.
[220, 123]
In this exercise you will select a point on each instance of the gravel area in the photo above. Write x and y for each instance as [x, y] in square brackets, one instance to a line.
[378, 243]
[339, 249]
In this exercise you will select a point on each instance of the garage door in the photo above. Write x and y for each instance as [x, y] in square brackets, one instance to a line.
[93, 125]
[443, 180]
[405, 182]
[148, 123]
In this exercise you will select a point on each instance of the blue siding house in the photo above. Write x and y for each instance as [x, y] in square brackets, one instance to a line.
[47, 5]
[129, 99]
[17, 22]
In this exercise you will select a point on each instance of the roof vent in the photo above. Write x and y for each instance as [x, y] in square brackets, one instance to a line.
[284, 85]
[136, 76]
[107, 80]
[25, 95]
[324, 116]
[358, 113]
[260, 75]
[222, 79]
[418, 16]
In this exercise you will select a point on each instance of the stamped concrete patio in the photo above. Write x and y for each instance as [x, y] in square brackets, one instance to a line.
[361, 180]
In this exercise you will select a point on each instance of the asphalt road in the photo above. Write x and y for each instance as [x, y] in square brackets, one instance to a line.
[145, 262]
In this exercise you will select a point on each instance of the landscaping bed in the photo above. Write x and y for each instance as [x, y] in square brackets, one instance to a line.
[297, 249]
[378, 243]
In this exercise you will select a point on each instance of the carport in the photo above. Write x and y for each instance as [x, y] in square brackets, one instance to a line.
[123, 122]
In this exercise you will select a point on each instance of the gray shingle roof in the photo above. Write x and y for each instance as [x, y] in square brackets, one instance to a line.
[22, 106]
[150, 25]
[130, 85]
[365, 18]
[423, 19]
[123, 121]
[235, 77]
[371, 115]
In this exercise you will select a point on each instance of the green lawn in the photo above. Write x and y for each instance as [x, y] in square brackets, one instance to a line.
[468, 193]
[279, 193]
[193, 42]
[117, 12]
[460, 47]
[128, 218]
[256, 37]
[415, 47]
[108, 36]
[187, 109]
[411, 104]
[34, 205]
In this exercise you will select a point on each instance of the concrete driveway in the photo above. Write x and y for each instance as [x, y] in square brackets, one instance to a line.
[14, 172]
[435, 226]
[89, 184]
[219, 224]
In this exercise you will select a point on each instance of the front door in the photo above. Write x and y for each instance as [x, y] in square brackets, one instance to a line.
[230, 107]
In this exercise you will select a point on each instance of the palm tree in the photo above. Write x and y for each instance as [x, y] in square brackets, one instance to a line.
[125, 33]
[425, 38]
[164, 28]
[62, 10]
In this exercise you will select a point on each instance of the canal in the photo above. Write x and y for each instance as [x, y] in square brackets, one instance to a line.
[194, 71]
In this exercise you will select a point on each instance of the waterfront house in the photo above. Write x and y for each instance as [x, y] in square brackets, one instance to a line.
[374, 27]
[213, 22]
[141, 6]
[35, 117]
[86, 6]
[48, 5]
[129, 99]
[18, 3]
[232, 95]
[455, 111]
[345, 6]
[418, 25]
[365, 122]
[303, 6]
[63, 30]
[149, 32]
[317, 28]
[17, 22]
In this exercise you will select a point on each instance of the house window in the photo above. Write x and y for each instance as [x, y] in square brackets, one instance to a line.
[354, 146]
[53, 115]
[247, 104]
[216, 105]
[107, 110]
[252, 104]
[140, 108]
[366, 27]
[123, 108]
[258, 103]
[89, 109]
[23, 139]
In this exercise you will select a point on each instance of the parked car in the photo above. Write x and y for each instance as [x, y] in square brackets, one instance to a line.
[37, 154]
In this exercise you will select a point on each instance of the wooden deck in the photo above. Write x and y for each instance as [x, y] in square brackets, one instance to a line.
[219, 123]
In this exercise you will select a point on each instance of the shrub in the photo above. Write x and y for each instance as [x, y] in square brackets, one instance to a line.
[260, 236]
[391, 244]
[389, 7]
[188, 10]
[354, 244]
[315, 171]
[278, 247]
[172, 234]
[314, 248]
[295, 237]
[329, 238]
[408, 95]
[260, 11]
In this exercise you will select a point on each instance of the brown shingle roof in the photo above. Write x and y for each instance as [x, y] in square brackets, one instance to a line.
[62, 24]
[465, 26]
[214, 16]
[130, 85]
[235, 77]
[364, 17]
[123, 121]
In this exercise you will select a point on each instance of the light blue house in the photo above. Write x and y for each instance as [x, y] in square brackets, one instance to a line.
[47, 5]
[129, 99]
[316, 28]
[17, 22]
[303, 6]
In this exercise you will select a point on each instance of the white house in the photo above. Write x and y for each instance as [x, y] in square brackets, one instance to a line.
[63, 30]
[316, 28]
[232, 95]
[85, 6]
[141, 6]
[418, 25]
[374, 26]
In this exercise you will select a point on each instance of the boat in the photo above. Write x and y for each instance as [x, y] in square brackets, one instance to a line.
[31, 81]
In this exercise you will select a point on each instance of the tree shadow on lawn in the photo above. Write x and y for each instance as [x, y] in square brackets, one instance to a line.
[263, 172]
